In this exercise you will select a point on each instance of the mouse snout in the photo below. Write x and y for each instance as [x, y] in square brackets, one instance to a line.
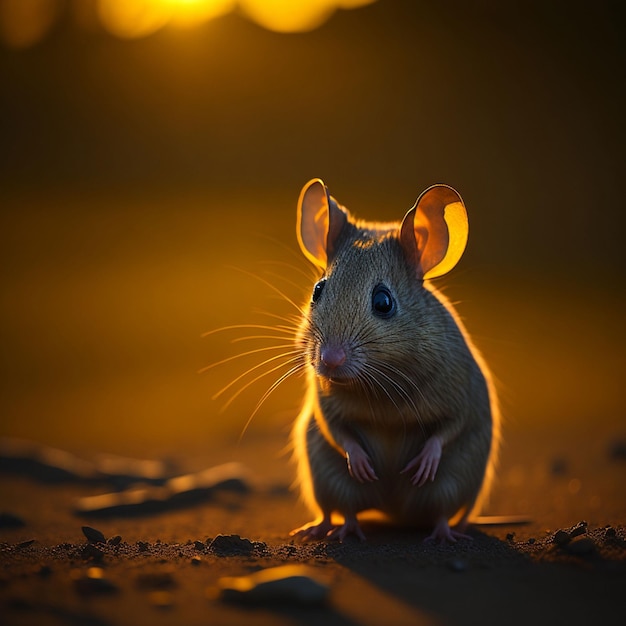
[332, 356]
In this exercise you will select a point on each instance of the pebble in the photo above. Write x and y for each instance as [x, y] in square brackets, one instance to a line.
[93, 535]
[9, 520]
[561, 538]
[229, 545]
[44, 570]
[185, 490]
[92, 551]
[200, 545]
[196, 560]
[294, 584]
[581, 547]
[558, 466]
[115, 541]
[457, 565]
[617, 450]
[580, 529]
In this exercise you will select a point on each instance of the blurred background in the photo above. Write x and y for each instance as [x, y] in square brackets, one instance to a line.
[151, 157]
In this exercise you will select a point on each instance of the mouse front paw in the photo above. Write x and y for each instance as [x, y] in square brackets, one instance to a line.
[359, 464]
[426, 462]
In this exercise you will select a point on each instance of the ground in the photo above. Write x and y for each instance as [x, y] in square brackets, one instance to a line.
[164, 566]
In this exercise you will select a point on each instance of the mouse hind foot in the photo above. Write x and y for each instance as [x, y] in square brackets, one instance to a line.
[314, 531]
[442, 533]
[325, 529]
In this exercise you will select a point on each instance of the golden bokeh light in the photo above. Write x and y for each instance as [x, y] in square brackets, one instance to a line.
[129, 19]
[25, 22]
[194, 12]
[285, 16]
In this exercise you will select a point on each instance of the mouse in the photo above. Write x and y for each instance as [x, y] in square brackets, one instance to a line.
[400, 413]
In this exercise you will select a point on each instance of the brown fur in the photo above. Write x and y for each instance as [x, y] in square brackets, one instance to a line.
[430, 380]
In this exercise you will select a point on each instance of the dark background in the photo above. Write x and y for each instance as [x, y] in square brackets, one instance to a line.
[136, 176]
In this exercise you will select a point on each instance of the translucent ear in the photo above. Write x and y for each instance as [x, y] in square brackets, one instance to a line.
[320, 221]
[434, 232]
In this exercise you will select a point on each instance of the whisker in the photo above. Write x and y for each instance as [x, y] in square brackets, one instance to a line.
[208, 333]
[242, 354]
[273, 287]
[252, 369]
[311, 275]
[268, 393]
[382, 387]
[253, 337]
[409, 400]
[312, 271]
[293, 321]
[293, 284]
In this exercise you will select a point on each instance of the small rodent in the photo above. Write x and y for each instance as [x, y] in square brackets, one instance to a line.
[400, 414]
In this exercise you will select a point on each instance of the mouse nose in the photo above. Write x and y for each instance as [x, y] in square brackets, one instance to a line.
[333, 356]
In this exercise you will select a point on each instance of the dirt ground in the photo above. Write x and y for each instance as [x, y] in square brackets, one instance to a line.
[164, 566]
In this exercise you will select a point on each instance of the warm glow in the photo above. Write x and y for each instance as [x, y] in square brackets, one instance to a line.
[134, 18]
[138, 18]
[25, 22]
[286, 16]
[193, 12]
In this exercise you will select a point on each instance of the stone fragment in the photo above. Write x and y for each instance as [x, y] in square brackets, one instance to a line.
[93, 535]
[293, 584]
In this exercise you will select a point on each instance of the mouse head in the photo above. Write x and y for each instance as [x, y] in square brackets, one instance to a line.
[373, 302]
[433, 233]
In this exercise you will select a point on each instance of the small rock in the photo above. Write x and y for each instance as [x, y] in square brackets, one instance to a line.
[229, 545]
[92, 551]
[561, 538]
[93, 535]
[199, 545]
[196, 560]
[610, 533]
[558, 467]
[617, 450]
[8, 520]
[532, 540]
[44, 571]
[580, 529]
[295, 584]
[581, 547]
[143, 546]
[115, 541]
[25, 544]
[510, 537]
[457, 565]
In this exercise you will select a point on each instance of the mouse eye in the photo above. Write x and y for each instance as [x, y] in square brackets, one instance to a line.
[317, 290]
[383, 304]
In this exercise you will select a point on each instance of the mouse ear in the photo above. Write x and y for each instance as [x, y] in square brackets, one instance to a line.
[320, 221]
[434, 232]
